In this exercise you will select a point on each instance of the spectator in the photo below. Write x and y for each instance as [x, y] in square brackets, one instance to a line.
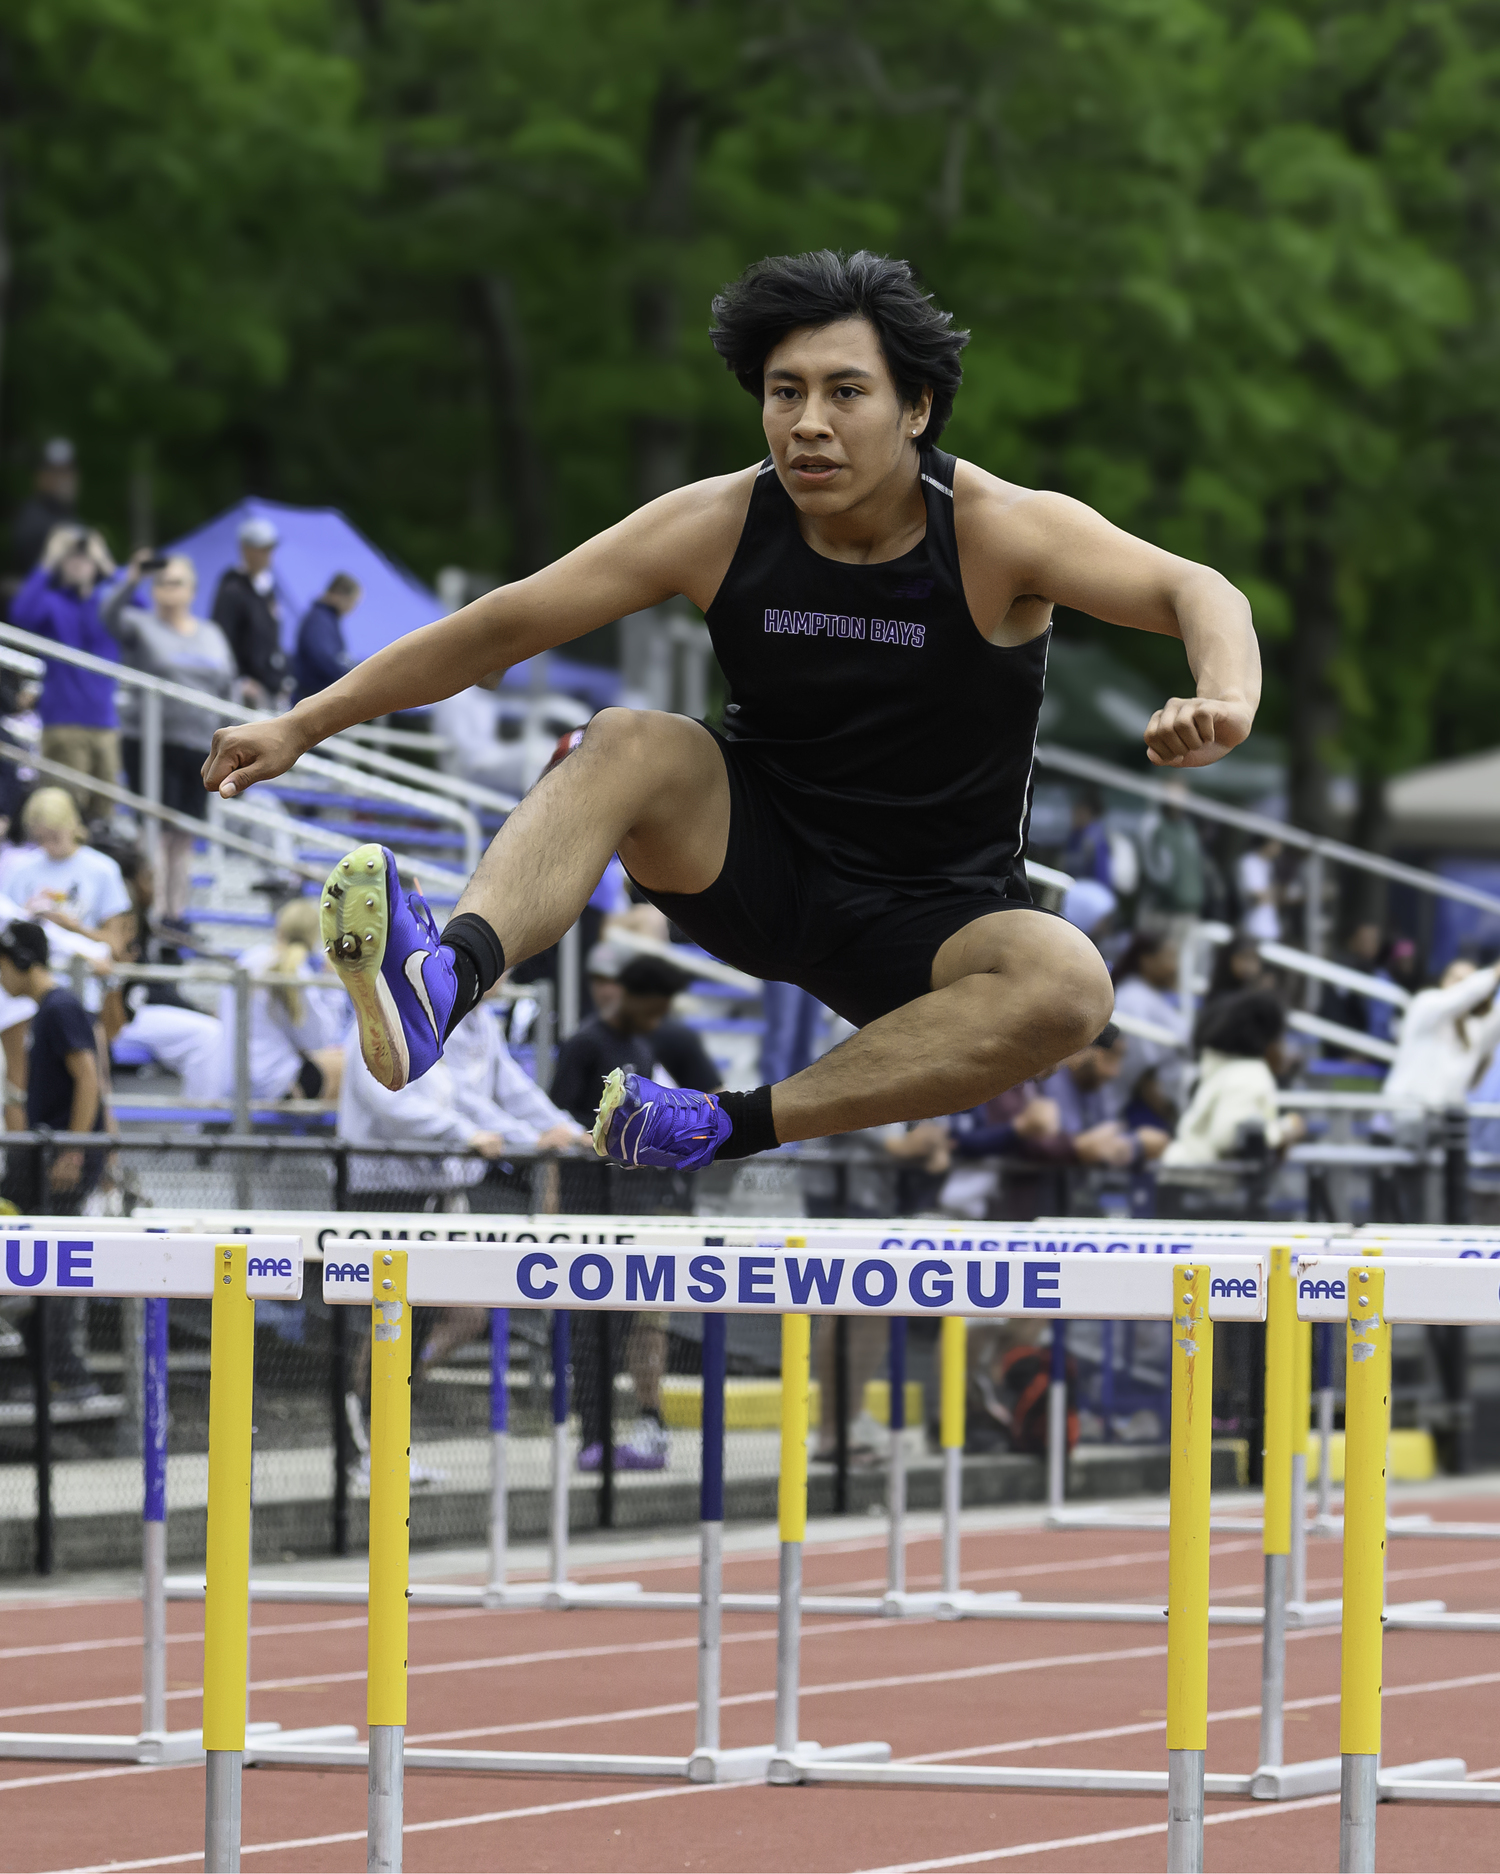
[1086, 854]
[63, 1082]
[322, 657]
[1090, 907]
[67, 882]
[1237, 967]
[1087, 1134]
[637, 1037]
[1260, 890]
[170, 643]
[1174, 877]
[60, 601]
[248, 612]
[428, 1111]
[52, 503]
[1151, 1073]
[498, 1095]
[1399, 964]
[1233, 1111]
[642, 1336]
[1447, 1036]
[153, 1017]
[296, 1034]
[867, 1344]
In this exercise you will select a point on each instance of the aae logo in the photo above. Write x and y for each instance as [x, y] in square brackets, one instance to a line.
[1309, 1290]
[346, 1272]
[1242, 1287]
[269, 1265]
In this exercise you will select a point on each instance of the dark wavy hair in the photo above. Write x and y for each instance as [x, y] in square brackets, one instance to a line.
[778, 295]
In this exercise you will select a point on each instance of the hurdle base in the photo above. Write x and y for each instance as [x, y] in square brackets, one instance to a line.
[986, 1776]
[749, 1764]
[787, 1769]
[529, 1594]
[151, 1746]
[1397, 1614]
[1439, 1780]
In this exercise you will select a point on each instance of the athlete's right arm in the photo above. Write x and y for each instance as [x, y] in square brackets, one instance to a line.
[681, 543]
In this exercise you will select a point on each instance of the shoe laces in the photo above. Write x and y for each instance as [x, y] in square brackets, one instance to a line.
[421, 911]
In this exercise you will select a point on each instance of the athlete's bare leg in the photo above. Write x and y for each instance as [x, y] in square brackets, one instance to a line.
[1013, 994]
[649, 786]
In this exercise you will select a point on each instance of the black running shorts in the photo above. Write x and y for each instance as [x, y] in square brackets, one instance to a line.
[783, 909]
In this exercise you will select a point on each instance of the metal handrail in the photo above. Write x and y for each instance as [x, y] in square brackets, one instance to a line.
[412, 787]
[1106, 774]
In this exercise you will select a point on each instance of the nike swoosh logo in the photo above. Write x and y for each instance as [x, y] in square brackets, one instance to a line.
[412, 970]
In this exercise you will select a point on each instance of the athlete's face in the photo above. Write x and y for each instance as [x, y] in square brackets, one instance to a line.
[836, 425]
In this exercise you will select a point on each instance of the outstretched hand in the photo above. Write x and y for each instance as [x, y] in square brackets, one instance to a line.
[250, 752]
[1193, 731]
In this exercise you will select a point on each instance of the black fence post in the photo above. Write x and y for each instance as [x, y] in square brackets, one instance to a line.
[604, 1354]
[1456, 1165]
[343, 1443]
[41, 1367]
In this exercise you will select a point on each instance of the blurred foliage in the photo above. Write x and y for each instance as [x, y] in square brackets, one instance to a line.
[1229, 269]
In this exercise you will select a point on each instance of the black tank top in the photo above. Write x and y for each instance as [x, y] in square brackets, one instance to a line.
[898, 737]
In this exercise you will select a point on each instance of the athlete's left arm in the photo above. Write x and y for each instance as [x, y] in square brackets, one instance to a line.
[1049, 546]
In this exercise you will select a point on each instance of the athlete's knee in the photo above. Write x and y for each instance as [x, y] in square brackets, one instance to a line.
[620, 732]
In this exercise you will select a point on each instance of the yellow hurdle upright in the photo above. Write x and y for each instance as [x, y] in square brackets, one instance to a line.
[791, 1512]
[1367, 1423]
[1187, 1565]
[390, 1555]
[226, 1609]
[954, 1386]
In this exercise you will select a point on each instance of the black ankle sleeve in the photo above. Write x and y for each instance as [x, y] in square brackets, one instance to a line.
[478, 962]
[754, 1129]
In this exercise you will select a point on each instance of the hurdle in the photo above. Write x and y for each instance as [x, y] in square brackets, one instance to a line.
[466, 1277]
[1370, 1297]
[126, 1266]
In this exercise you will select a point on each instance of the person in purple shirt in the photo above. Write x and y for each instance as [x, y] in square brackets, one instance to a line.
[60, 600]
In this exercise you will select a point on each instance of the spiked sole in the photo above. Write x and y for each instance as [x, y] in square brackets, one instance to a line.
[355, 922]
[609, 1103]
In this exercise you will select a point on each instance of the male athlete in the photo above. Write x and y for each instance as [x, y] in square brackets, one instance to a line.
[858, 826]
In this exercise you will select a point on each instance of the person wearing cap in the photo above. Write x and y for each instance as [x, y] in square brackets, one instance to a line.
[52, 503]
[60, 601]
[248, 612]
[636, 1035]
[63, 1089]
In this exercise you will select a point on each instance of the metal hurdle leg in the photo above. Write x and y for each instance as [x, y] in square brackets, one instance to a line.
[1276, 1538]
[226, 1613]
[1187, 1567]
[390, 1557]
[1367, 1416]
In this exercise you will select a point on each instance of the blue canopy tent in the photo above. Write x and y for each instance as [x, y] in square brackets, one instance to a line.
[315, 544]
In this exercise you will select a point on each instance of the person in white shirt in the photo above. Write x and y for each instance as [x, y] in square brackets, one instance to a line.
[497, 1094]
[1235, 1098]
[296, 1034]
[428, 1111]
[1260, 891]
[1146, 987]
[67, 882]
[1447, 1037]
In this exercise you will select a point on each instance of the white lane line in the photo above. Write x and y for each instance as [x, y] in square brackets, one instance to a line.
[423, 1616]
[89, 1776]
[416, 1828]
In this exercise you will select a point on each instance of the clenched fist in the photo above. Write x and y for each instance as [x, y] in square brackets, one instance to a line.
[1193, 731]
[250, 752]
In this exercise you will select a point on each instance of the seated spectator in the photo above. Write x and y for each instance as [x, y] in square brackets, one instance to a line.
[637, 1037]
[1447, 1036]
[171, 643]
[1237, 967]
[1233, 1111]
[248, 612]
[428, 1111]
[322, 656]
[68, 883]
[1086, 854]
[154, 1017]
[498, 1095]
[60, 600]
[1149, 1087]
[296, 1034]
[1086, 1133]
[1090, 907]
[63, 1087]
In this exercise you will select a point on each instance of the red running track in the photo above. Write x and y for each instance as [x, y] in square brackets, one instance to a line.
[972, 1692]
